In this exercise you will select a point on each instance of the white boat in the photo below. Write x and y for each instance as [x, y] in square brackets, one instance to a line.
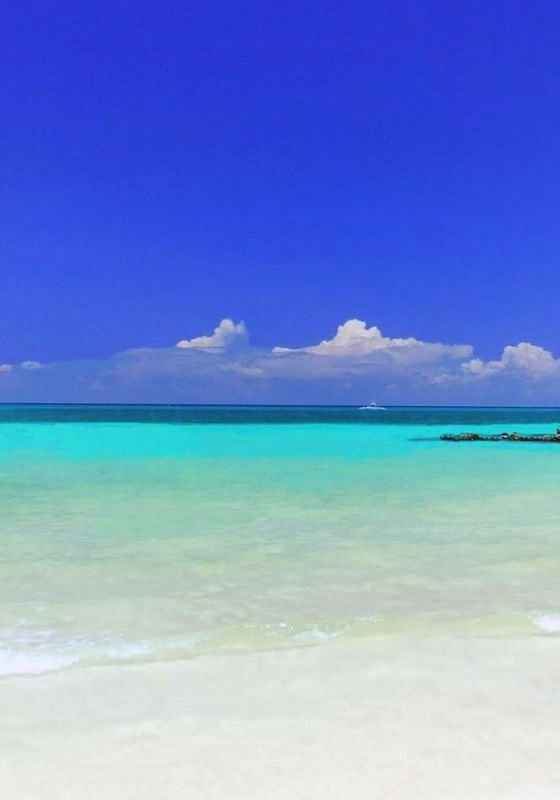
[372, 407]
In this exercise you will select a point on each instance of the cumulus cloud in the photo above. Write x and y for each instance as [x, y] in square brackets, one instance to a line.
[355, 342]
[523, 359]
[357, 363]
[353, 339]
[226, 334]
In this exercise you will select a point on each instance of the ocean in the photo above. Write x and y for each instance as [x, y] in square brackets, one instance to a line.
[145, 534]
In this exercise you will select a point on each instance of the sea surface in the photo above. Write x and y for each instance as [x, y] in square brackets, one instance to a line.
[146, 534]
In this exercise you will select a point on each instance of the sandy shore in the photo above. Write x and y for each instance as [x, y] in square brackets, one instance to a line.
[378, 718]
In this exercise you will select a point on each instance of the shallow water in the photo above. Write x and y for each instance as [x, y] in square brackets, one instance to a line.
[142, 533]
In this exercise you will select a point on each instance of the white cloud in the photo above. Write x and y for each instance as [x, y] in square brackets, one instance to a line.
[357, 363]
[225, 335]
[356, 356]
[523, 359]
[31, 365]
[354, 339]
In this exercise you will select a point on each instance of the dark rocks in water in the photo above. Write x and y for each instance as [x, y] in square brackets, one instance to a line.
[461, 437]
[553, 438]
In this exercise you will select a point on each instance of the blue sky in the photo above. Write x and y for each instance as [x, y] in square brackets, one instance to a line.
[291, 165]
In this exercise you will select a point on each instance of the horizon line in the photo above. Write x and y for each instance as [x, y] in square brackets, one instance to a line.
[4, 403]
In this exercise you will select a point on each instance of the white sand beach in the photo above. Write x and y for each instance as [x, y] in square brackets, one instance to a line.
[377, 718]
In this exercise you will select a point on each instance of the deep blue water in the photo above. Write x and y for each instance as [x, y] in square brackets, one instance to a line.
[267, 415]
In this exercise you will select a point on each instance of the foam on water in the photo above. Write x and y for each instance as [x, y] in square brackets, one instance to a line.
[22, 658]
[548, 622]
[14, 663]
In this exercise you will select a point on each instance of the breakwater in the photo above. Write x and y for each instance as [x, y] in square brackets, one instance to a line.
[551, 438]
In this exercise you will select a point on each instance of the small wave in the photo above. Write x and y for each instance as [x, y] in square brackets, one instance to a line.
[18, 663]
[87, 653]
[47, 656]
[36, 653]
[550, 623]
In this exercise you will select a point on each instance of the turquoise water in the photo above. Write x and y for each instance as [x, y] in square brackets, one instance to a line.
[142, 533]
